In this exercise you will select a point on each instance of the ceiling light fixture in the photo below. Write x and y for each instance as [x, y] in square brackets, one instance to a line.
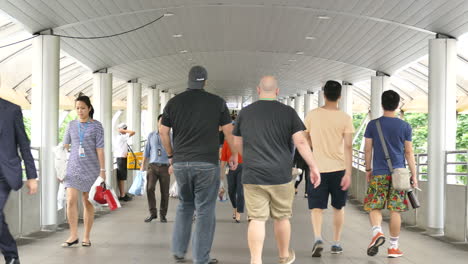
[168, 14]
[292, 60]
[177, 35]
[190, 59]
[300, 53]
[323, 17]
[183, 51]
[310, 38]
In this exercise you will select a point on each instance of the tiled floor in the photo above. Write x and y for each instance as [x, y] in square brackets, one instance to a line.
[123, 237]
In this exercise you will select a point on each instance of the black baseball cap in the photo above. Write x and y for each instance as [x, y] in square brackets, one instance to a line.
[197, 77]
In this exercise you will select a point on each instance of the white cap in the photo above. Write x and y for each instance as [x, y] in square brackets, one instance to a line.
[122, 126]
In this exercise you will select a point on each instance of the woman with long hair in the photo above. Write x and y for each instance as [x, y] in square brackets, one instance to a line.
[86, 163]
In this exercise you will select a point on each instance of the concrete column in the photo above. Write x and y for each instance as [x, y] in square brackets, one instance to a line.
[164, 99]
[153, 107]
[346, 101]
[102, 102]
[45, 120]
[442, 125]
[321, 99]
[134, 113]
[308, 102]
[240, 102]
[379, 84]
[289, 101]
[299, 106]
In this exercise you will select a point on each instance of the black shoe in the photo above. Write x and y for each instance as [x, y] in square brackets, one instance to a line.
[70, 244]
[179, 259]
[213, 261]
[127, 198]
[12, 261]
[317, 250]
[150, 218]
[163, 219]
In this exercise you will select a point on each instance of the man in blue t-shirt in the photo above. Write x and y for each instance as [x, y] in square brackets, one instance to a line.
[380, 193]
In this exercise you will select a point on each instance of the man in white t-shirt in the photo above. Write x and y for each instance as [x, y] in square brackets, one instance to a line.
[120, 153]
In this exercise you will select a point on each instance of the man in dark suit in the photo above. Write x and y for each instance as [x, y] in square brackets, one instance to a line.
[13, 138]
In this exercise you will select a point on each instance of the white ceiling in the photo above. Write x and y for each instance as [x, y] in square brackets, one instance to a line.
[239, 41]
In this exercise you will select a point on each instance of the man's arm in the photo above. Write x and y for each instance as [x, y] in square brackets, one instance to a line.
[126, 131]
[409, 155]
[304, 149]
[24, 145]
[227, 130]
[368, 157]
[165, 134]
[348, 155]
[238, 144]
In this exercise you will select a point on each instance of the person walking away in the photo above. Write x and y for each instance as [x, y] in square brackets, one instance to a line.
[85, 164]
[158, 170]
[262, 136]
[330, 132]
[234, 177]
[13, 138]
[195, 116]
[380, 193]
[120, 152]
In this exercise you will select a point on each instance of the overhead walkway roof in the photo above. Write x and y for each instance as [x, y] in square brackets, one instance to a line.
[304, 43]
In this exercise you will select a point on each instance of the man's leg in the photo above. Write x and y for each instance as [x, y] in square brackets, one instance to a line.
[7, 242]
[257, 202]
[256, 237]
[164, 185]
[185, 210]
[206, 182]
[338, 221]
[339, 198]
[316, 216]
[150, 189]
[318, 201]
[283, 236]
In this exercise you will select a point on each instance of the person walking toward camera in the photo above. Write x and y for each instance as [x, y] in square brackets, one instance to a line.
[86, 163]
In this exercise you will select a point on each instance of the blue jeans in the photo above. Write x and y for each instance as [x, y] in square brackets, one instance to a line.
[198, 184]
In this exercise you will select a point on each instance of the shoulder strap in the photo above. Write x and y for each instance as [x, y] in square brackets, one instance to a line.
[384, 145]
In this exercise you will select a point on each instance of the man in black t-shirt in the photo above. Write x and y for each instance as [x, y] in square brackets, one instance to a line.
[262, 136]
[195, 116]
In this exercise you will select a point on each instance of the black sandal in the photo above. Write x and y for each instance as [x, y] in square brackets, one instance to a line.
[70, 244]
[86, 244]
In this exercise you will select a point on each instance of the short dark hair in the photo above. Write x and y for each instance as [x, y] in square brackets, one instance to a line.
[390, 100]
[332, 90]
[159, 117]
[85, 99]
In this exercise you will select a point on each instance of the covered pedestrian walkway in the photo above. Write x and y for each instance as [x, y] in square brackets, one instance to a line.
[132, 57]
[123, 237]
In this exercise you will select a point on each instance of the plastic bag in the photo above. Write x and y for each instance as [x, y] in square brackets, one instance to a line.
[174, 190]
[60, 161]
[61, 197]
[138, 184]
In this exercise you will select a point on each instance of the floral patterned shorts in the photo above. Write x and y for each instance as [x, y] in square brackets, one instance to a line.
[380, 193]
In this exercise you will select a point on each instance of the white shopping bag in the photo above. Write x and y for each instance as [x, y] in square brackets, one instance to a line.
[138, 185]
[61, 197]
[174, 191]
[60, 161]
[116, 198]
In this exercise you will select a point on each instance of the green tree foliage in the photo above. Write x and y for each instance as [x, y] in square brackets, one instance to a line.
[419, 123]
[27, 126]
[63, 128]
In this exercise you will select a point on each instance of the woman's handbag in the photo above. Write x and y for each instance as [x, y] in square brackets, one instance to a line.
[401, 177]
[100, 192]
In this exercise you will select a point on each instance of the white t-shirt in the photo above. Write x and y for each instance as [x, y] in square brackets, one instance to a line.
[120, 146]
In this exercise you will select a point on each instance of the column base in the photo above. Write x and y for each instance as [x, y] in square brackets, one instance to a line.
[49, 228]
[434, 232]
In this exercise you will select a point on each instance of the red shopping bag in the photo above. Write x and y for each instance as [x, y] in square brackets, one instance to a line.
[99, 195]
[110, 199]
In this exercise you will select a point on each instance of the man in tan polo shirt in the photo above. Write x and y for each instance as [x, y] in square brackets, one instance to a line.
[330, 132]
